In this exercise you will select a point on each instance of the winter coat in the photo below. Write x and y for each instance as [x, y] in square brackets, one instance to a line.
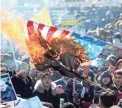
[49, 96]
[24, 89]
[97, 90]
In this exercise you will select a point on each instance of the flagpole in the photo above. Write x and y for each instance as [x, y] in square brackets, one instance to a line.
[115, 46]
[88, 80]
[11, 46]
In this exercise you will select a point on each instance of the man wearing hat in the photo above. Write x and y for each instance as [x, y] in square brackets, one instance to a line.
[105, 80]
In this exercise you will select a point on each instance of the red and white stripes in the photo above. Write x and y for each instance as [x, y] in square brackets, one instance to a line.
[48, 32]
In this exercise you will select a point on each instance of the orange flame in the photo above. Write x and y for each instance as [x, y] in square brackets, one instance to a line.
[35, 49]
[58, 44]
[13, 29]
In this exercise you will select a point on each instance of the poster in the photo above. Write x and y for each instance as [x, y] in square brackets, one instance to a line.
[7, 90]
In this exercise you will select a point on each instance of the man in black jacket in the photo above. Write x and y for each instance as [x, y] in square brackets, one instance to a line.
[22, 82]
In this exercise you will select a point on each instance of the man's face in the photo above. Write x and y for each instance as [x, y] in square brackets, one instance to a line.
[108, 63]
[46, 81]
[23, 74]
[118, 80]
[108, 39]
[105, 80]
[119, 52]
[3, 86]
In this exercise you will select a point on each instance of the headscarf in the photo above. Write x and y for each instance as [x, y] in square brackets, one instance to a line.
[117, 65]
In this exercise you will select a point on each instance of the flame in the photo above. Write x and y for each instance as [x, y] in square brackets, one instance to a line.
[68, 45]
[13, 28]
[34, 47]
[60, 45]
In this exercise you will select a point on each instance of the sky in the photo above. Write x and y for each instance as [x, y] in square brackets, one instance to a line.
[14, 16]
[25, 8]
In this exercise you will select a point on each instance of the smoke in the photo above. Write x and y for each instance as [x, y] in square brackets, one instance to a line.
[8, 4]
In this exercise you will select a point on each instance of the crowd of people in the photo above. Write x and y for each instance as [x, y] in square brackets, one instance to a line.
[102, 86]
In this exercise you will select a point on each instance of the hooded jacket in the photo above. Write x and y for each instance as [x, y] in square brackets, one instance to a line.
[44, 95]
[110, 85]
[106, 74]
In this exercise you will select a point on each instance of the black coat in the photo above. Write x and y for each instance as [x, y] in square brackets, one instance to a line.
[24, 89]
[49, 96]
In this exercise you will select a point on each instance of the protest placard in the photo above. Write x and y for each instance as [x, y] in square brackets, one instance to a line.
[7, 90]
